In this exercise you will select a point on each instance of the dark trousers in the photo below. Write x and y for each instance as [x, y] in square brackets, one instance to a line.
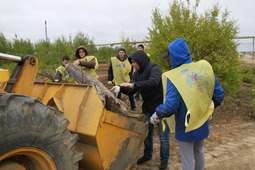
[164, 140]
[131, 100]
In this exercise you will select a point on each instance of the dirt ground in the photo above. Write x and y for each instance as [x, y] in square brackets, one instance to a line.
[231, 144]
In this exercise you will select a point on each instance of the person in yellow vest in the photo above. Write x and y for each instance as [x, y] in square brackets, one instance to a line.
[86, 62]
[120, 71]
[62, 74]
[191, 92]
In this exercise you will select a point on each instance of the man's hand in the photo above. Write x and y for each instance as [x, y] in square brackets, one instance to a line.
[109, 82]
[155, 119]
[115, 90]
[130, 85]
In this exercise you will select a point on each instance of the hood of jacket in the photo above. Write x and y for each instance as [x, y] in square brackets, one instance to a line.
[140, 57]
[77, 51]
[179, 53]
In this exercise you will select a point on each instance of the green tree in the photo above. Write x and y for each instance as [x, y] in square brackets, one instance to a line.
[130, 48]
[104, 54]
[62, 47]
[19, 47]
[209, 36]
[5, 45]
[44, 53]
[22, 47]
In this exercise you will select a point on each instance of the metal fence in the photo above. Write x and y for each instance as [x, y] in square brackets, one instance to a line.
[246, 47]
[245, 44]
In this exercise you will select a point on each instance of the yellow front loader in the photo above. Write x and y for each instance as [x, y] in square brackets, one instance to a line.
[49, 126]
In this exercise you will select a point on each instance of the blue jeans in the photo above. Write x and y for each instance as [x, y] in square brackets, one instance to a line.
[164, 140]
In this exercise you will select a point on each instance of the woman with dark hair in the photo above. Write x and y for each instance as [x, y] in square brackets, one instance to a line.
[86, 62]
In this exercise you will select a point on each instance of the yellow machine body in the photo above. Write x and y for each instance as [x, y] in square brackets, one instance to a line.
[108, 140]
[4, 77]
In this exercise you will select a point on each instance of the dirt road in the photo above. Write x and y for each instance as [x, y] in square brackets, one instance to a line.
[230, 146]
[236, 149]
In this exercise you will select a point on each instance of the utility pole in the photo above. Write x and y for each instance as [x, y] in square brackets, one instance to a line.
[253, 48]
[46, 36]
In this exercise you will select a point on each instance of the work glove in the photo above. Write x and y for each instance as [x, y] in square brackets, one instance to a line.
[115, 90]
[155, 119]
[210, 118]
[109, 82]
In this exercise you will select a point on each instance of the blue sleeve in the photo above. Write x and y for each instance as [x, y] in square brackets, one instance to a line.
[172, 103]
[58, 76]
[218, 93]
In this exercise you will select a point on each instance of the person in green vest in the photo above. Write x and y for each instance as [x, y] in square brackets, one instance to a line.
[62, 74]
[191, 92]
[86, 62]
[120, 71]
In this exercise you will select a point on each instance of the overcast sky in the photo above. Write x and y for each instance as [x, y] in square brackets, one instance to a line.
[103, 20]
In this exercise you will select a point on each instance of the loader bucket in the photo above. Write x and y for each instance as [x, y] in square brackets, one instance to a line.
[3, 79]
[108, 140]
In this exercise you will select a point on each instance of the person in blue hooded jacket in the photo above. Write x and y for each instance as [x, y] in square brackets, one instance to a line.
[147, 80]
[191, 91]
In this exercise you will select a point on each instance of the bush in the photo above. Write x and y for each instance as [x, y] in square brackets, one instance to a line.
[253, 94]
[104, 54]
[209, 36]
[248, 74]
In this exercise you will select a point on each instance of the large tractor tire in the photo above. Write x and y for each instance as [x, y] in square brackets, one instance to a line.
[34, 137]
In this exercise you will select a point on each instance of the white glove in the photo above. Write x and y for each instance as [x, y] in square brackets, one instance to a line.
[115, 90]
[109, 82]
[56, 80]
[210, 118]
[154, 119]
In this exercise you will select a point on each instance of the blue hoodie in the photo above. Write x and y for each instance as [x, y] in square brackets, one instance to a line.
[174, 104]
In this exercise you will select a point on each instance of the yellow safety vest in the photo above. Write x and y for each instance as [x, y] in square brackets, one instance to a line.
[121, 70]
[90, 71]
[65, 75]
[195, 83]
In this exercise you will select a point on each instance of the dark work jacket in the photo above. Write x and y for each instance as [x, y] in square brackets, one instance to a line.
[148, 82]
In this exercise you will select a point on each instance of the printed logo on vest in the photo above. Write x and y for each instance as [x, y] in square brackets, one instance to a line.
[198, 80]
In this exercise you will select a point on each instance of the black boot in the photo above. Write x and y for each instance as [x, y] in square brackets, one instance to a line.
[142, 160]
[163, 165]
